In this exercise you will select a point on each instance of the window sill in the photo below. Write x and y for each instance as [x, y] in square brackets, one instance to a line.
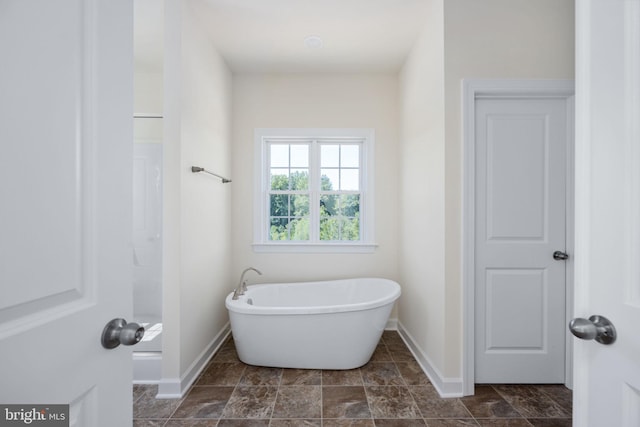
[316, 248]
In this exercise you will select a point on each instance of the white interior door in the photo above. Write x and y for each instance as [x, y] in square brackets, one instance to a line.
[521, 148]
[65, 192]
[607, 254]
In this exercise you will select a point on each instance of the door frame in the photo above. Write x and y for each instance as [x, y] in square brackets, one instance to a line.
[473, 89]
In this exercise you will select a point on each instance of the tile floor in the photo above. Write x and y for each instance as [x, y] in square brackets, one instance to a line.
[389, 391]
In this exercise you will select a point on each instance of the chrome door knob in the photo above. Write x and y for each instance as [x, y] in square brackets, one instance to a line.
[596, 327]
[560, 256]
[118, 331]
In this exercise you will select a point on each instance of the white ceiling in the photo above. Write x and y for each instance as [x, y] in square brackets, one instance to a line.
[268, 35]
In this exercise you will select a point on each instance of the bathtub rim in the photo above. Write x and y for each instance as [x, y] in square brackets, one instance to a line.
[242, 307]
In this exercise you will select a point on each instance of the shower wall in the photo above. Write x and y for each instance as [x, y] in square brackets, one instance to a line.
[147, 208]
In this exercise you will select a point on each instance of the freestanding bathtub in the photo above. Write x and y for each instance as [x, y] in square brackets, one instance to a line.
[311, 325]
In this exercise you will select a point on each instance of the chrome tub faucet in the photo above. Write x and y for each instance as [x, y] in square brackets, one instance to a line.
[242, 284]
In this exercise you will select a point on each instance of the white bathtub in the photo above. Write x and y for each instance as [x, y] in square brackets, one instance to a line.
[312, 325]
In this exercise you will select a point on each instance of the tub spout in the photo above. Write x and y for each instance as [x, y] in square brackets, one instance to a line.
[242, 284]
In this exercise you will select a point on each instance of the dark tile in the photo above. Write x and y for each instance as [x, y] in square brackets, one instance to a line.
[191, 423]
[295, 423]
[412, 373]
[381, 373]
[400, 423]
[391, 402]
[346, 422]
[451, 423]
[431, 405]
[256, 375]
[392, 338]
[487, 403]
[140, 390]
[380, 354]
[560, 394]
[147, 406]
[503, 422]
[550, 422]
[350, 377]
[244, 423]
[229, 344]
[204, 402]
[298, 398]
[344, 402]
[531, 402]
[401, 354]
[227, 353]
[222, 374]
[298, 401]
[301, 377]
[149, 423]
[395, 343]
[251, 402]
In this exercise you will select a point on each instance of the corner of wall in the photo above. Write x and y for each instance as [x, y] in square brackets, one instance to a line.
[445, 386]
[197, 98]
[176, 388]
[421, 307]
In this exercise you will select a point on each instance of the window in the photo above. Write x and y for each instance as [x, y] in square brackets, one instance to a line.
[314, 190]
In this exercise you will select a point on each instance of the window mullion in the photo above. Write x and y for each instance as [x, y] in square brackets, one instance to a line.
[314, 192]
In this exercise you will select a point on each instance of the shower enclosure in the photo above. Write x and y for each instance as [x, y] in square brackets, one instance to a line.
[147, 245]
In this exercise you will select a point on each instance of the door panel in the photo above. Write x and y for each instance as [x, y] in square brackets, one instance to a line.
[521, 158]
[65, 185]
[516, 156]
[513, 297]
[40, 143]
[607, 377]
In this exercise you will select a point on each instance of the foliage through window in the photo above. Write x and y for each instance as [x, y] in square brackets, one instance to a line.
[314, 186]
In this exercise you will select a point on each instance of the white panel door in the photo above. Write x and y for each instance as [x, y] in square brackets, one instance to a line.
[65, 193]
[521, 160]
[607, 254]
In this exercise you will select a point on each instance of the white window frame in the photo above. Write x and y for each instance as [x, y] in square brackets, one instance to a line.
[261, 242]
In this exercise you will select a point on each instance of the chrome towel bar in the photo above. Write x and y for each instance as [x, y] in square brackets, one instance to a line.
[197, 169]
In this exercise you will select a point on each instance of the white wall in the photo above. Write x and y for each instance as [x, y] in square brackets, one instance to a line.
[148, 92]
[488, 39]
[500, 39]
[422, 169]
[197, 207]
[315, 101]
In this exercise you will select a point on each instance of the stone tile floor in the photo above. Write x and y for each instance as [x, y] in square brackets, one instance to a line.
[389, 391]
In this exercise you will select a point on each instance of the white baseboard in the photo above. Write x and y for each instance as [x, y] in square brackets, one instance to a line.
[446, 387]
[176, 388]
[147, 367]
